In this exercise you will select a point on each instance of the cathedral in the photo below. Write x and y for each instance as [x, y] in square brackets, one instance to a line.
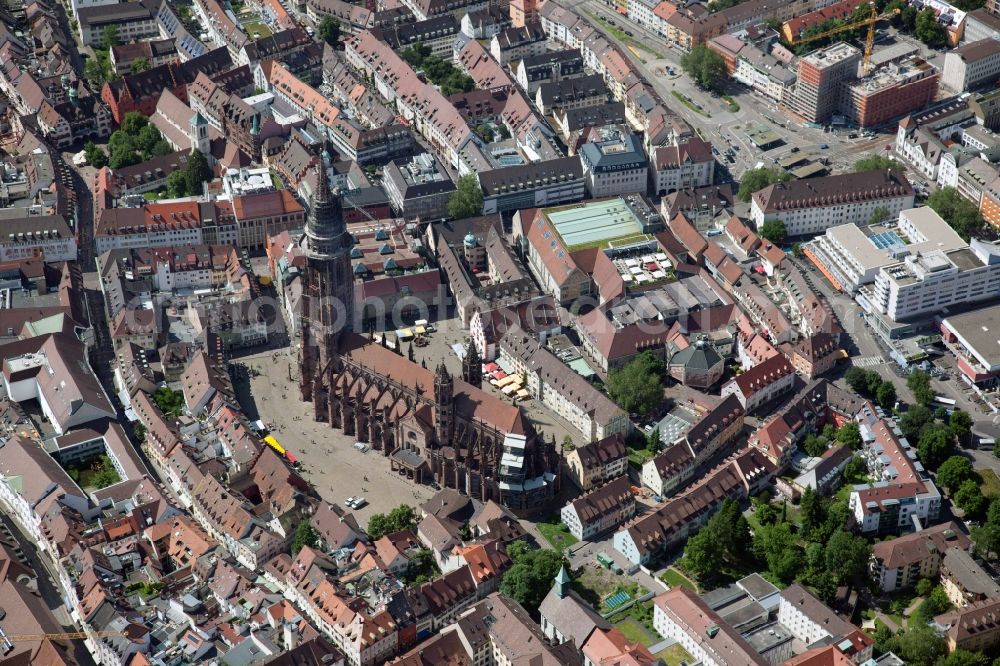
[433, 427]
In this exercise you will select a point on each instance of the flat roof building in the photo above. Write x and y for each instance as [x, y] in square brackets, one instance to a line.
[974, 338]
[851, 256]
[890, 92]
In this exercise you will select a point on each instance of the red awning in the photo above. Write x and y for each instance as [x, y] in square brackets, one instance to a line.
[289, 457]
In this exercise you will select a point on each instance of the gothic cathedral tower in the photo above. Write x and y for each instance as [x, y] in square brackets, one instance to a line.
[328, 303]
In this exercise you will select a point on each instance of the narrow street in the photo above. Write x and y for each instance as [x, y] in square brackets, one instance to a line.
[47, 588]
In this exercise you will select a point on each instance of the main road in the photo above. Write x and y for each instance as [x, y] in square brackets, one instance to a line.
[717, 123]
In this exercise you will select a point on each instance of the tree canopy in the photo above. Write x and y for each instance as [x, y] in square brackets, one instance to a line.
[774, 231]
[919, 383]
[305, 535]
[876, 162]
[638, 387]
[723, 541]
[706, 67]
[955, 471]
[755, 180]
[530, 576]
[403, 517]
[467, 199]
[329, 31]
[963, 215]
[928, 29]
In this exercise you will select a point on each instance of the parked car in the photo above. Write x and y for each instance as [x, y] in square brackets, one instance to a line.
[359, 502]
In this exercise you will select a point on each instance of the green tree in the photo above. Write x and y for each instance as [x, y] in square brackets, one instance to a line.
[146, 140]
[467, 199]
[963, 215]
[403, 517]
[876, 162]
[96, 157]
[197, 172]
[928, 29]
[170, 402]
[970, 499]
[109, 37]
[305, 535]
[814, 446]
[855, 378]
[879, 215]
[774, 231]
[965, 658]
[873, 381]
[530, 576]
[812, 510]
[886, 395]
[935, 445]
[139, 65]
[856, 470]
[849, 435]
[924, 587]
[955, 471]
[95, 72]
[638, 387]
[778, 546]
[847, 556]
[961, 425]
[987, 536]
[755, 180]
[914, 420]
[936, 603]
[706, 67]
[132, 123]
[177, 184]
[919, 383]
[329, 31]
[701, 556]
[917, 645]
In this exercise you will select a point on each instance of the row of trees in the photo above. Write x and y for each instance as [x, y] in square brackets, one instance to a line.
[403, 517]
[870, 384]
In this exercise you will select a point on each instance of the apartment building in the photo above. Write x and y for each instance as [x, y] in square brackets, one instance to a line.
[901, 498]
[133, 21]
[532, 185]
[899, 563]
[687, 164]
[598, 462]
[600, 510]
[762, 383]
[972, 64]
[813, 205]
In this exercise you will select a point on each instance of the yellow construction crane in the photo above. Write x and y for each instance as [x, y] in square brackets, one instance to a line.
[65, 636]
[872, 19]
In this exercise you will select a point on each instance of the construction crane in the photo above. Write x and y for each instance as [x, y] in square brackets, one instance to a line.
[872, 19]
[65, 636]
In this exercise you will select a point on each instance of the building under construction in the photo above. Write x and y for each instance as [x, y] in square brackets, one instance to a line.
[829, 85]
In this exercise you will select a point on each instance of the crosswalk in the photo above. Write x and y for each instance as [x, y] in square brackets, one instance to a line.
[867, 361]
